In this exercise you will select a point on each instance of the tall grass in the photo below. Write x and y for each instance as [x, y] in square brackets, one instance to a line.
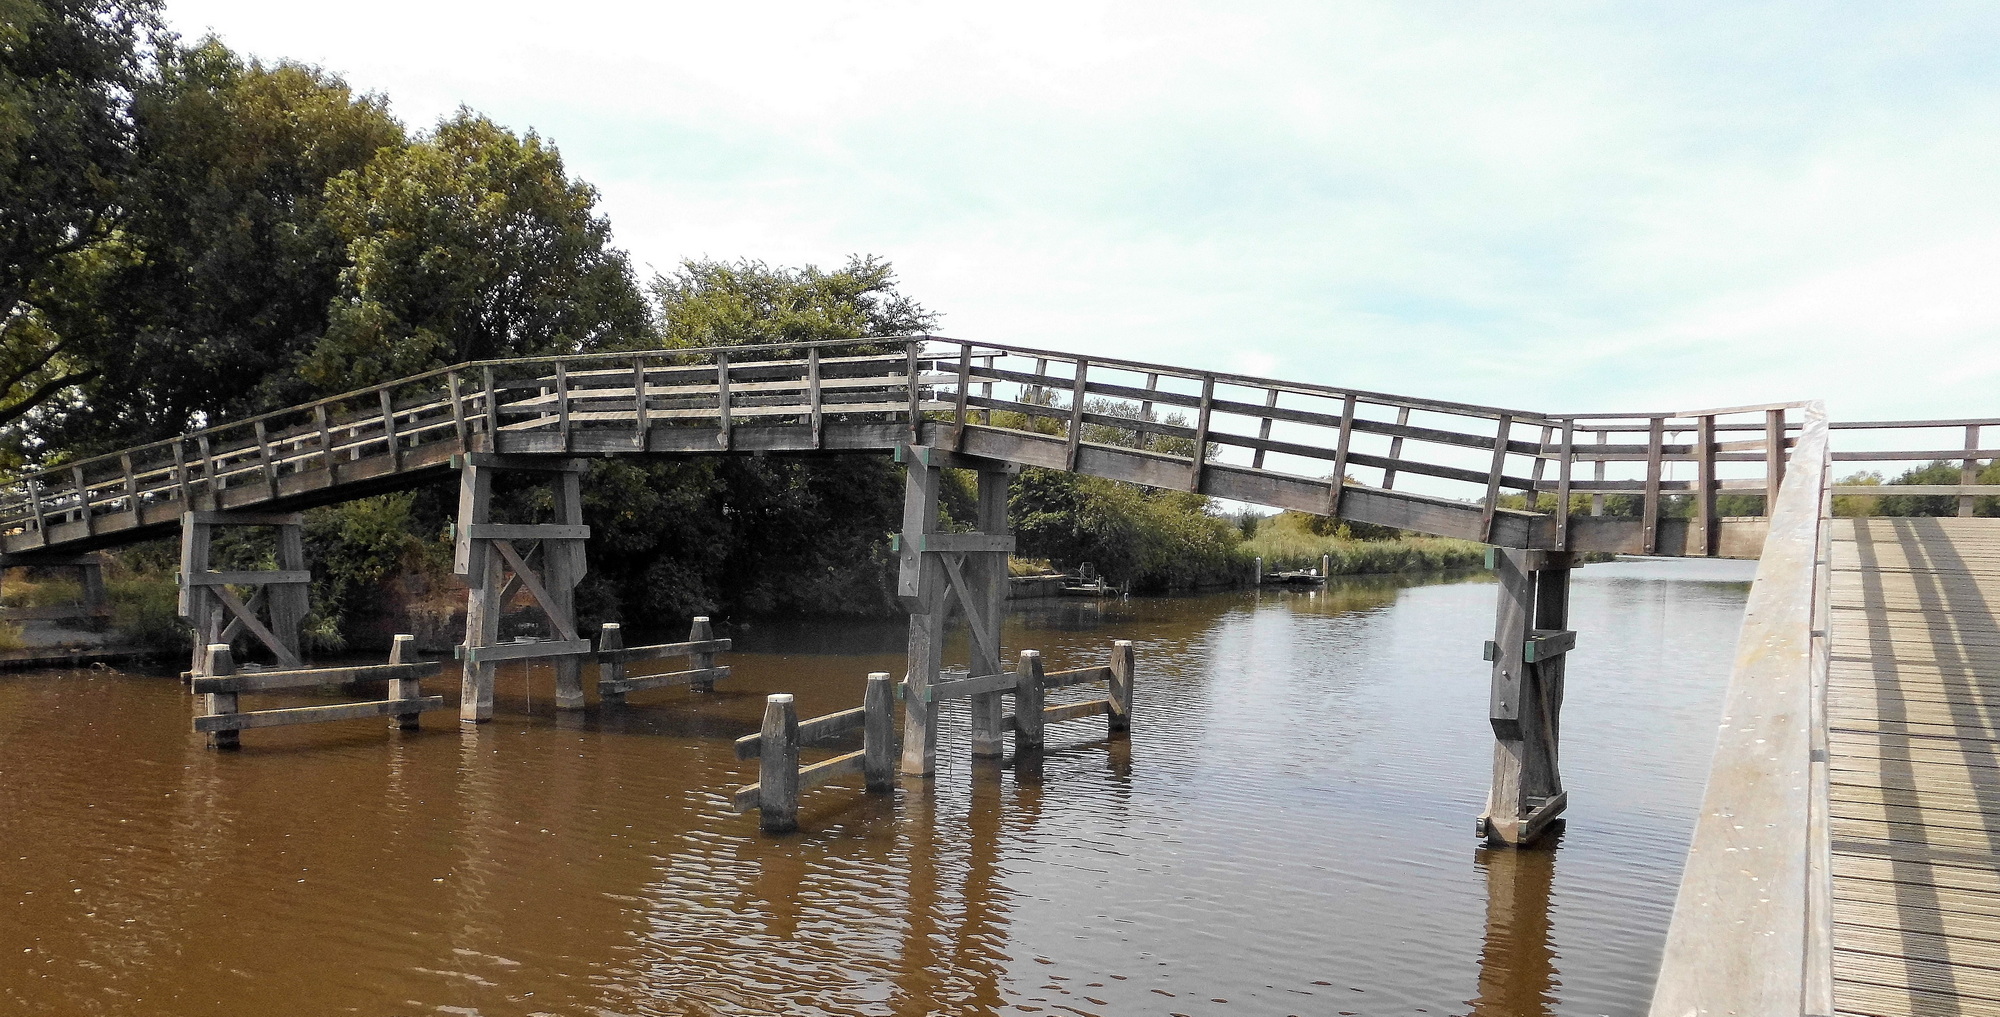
[1288, 541]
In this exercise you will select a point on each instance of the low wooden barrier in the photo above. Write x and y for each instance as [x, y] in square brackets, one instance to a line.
[612, 655]
[780, 777]
[220, 685]
[1029, 685]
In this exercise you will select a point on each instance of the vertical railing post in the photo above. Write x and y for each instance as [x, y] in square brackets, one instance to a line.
[641, 425]
[964, 391]
[1143, 433]
[208, 473]
[722, 435]
[1338, 486]
[562, 404]
[1264, 428]
[325, 440]
[1650, 533]
[1490, 508]
[389, 428]
[878, 733]
[814, 399]
[912, 350]
[458, 424]
[265, 463]
[1395, 450]
[1565, 469]
[491, 398]
[1774, 458]
[1076, 401]
[1704, 486]
[82, 500]
[132, 486]
[219, 663]
[1201, 432]
[1968, 471]
[403, 650]
[1535, 472]
[610, 669]
[1597, 474]
[778, 766]
[1119, 716]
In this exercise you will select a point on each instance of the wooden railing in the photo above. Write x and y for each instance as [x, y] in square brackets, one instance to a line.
[1661, 482]
[1752, 922]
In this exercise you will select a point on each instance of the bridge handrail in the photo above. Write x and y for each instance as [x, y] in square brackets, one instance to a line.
[1751, 923]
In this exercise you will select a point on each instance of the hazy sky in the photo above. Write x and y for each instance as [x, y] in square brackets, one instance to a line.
[1578, 207]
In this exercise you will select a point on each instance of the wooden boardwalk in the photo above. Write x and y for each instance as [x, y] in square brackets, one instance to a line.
[1913, 714]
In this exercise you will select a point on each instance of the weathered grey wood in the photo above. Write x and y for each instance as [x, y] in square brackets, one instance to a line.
[533, 650]
[878, 732]
[702, 646]
[1737, 939]
[984, 594]
[967, 687]
[921, 585]
[306, 678]
[1651, 505]
[1774, 458]
[778, 766]
[1075, 711]
[233, 722]
[1077, 676]
[1123, 670]
[545, 597]
[1509, 695]
[527, 531]
[1195, 478]
[1489, 507]
[1337, 483]
[701, 678]
[630, 654]
[610, 664]
[258, 577]
[217, 662]
[1028, 700]
[289, 601]
[408, 688]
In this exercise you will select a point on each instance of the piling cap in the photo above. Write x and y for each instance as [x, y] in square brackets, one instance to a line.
[778, 697]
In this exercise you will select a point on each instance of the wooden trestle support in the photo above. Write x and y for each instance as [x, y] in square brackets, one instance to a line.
[218, 615]
[1530, 641]
[494, 569]
[937, 570]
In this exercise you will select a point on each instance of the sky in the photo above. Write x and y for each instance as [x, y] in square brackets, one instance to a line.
[1560, 207]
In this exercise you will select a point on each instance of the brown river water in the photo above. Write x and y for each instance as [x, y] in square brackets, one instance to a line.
[1287, 831]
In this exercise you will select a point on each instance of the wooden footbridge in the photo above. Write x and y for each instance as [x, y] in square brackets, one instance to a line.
[1844, 859]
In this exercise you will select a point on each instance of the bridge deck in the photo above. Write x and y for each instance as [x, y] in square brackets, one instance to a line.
[1913, 704]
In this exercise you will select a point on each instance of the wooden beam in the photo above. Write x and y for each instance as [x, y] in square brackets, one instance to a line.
[520, 651]
[1655, 433]
[1338, 484]
[315, 714]
[565, 629]
[287, 658]
[1074, 711]
[528, 531]
[256, 577]
[269, 681]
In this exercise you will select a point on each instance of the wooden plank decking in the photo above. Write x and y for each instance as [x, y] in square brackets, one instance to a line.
[1913, 712]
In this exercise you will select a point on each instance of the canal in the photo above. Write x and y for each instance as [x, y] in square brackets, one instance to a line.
[1287, 831]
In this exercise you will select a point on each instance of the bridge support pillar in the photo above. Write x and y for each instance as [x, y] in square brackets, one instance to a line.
[1530, 643]
[218, 615]
[937, 571]
[498, 560]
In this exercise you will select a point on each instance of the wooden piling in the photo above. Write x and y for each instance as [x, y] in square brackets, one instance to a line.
[564, 569]
[778, 766]
[1325, 566]
[403, 650]
[878, 733]
[1118, 717]
[610, 669]
[702, 631]
[1028, 701]
[986, 575]
[1528, 649]
[219, 663]
[1257, 571]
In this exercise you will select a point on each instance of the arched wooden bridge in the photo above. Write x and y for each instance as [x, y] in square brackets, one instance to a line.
[1845, 857]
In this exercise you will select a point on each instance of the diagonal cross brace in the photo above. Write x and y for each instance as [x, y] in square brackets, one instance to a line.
[963, 591]
[565, 630]
[286, 658]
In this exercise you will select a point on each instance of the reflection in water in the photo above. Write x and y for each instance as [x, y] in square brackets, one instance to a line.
[1292, 839]
[1517, 962]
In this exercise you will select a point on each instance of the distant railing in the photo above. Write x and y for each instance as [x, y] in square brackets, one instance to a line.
[1752, 924]
[1670, 478]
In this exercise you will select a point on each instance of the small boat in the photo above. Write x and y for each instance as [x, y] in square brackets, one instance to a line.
[1300, 577]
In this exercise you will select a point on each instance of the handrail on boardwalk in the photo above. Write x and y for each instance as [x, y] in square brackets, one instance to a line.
[1751, 929]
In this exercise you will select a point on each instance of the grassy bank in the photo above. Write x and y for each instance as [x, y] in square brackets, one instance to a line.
[1295, 541]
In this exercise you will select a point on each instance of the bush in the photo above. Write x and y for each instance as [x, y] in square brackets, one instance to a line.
[1296, 540]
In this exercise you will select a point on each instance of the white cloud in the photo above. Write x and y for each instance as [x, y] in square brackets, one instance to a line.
[1581, 208]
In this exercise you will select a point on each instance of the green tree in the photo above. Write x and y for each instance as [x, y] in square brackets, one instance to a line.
[468, 244]
[220, 278]
[749, 303]
[67, 71]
